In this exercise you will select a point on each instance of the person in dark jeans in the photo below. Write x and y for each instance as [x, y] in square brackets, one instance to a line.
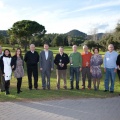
[32, 58]
[17, 64]
[75, 67]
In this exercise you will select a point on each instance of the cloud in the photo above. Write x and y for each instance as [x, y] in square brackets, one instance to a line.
[1, 5]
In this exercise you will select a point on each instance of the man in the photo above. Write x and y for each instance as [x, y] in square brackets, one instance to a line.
[32, 59]
[110, 67]
[2, 82]
[46, 62]
[75, 67]
[61, 61]
[86, 56]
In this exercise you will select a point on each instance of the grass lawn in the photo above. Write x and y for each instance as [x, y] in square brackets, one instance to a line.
[40, 94]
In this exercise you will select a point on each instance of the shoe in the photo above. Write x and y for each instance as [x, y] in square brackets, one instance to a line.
[65, 87]
[119, 94]
[2, 90]
[7, 93]
[36, 88]
[43, 88]
[77, 88]
[57, 88]
[89, 88]
[105, 90]
[83, 88]
[111, 91]
[71, 88]
[20, 90]
[30, 88]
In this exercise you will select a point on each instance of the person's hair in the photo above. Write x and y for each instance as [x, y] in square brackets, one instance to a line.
[20, 52]
[46, 44]
[9, 53]
[85, 46]
[95, 49]
[111, 45]
[32, 45]
[61, 47]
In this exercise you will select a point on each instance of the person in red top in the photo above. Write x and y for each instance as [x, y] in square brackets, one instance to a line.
[86, 56]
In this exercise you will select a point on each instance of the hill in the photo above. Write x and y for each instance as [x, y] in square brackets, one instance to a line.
[76, 33]
[3, 33]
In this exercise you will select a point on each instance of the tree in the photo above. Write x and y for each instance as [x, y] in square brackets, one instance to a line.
[58, 41]
[25, 29]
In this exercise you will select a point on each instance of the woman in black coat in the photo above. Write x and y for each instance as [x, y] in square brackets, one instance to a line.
[17, 64]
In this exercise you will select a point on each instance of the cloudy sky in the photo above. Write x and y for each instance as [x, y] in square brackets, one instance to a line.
[61, 16]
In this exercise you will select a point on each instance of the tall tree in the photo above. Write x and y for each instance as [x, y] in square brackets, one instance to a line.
[25, 29]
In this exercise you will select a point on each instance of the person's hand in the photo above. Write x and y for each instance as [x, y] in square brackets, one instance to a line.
[3, 74]
[80, 69]
[104, 69]
[62, 65]
[52, 69]
[40, 69]
[91, 70]
[12, 66]
[115, 70]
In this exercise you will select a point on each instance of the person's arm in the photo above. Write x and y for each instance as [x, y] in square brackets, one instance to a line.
[37, 57]
[26, 57]
[52, 61]
[56, 60]
[40, 61]
[2, 65]
[80, 60]
[67, 59]
[104, 62]
[101, 60]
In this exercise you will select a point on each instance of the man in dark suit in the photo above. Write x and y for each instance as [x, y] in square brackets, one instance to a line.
[32, 58]
[46, 62]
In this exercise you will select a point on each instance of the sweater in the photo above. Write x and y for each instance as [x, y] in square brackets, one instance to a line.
[75, 59]
[31, 58]
[110, 59]
[64, 59]
[86, 59]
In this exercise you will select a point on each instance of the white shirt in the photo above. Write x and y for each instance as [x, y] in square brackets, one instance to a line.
[46, 54]
[32, 51]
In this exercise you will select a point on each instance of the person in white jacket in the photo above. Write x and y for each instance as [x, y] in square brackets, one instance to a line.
[6, 69]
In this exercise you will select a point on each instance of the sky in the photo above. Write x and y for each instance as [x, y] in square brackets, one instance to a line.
[61, 16]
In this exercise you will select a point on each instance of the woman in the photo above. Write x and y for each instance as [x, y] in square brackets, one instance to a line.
[17, 66]
[6, 69]
[95, 63]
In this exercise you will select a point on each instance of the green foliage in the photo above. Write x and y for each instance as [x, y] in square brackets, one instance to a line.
[24, 30]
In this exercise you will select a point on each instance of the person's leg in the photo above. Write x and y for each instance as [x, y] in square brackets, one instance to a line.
[19, 82]
[64, 78]
[77, 76]
[118, 72]
[89, 77]
[94, 83]
[98, 83]
[2, 84]
[106, 82]
[35, 75]
[7, 86]
[58, 73]
[83, 76]
[48, 74]
[43, 74]
[71, 77]
[112, 73]
[29, 73]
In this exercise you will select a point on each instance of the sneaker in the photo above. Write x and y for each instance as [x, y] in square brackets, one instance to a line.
[111, 91]
[105, 90]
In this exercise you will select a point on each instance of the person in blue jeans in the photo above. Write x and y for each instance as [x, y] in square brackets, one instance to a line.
[110, 68]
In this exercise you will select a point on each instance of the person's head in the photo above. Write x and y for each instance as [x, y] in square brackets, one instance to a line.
[110, 47]
[7, 53]
[32, 47]
[61, 49]
[0, 50]
[18, 52]
[46, 46]
[85, 48]
[96, 50]
[74, 47]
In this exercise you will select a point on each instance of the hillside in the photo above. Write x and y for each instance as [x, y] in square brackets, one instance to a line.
[76, 33]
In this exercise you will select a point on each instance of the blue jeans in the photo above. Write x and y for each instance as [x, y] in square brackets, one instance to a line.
[110, 74]
[75, 71]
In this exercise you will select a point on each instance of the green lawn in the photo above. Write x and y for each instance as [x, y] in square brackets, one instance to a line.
[53, 93]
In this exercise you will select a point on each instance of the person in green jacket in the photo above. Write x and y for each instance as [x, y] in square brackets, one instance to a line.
[75, 67]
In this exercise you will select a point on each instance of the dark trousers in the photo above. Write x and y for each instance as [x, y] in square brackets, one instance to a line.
[76, 71]
[32, 70]
[7, 85]
[46, 74]
[86, 72]
[19, 82]
[2, 82]
[118, 72]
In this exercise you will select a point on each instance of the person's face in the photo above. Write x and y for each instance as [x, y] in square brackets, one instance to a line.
[61, 50]
[85, 49]
[18, 52]
[46, 47]
[32, 48]
[7, 52]
[110, 48]
[0, 51]
[74, 48]
[96, 51]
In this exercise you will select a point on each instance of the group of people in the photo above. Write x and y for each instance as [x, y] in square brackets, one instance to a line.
[86, 63]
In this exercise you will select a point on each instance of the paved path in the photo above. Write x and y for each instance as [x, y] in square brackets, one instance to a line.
[80, 109]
